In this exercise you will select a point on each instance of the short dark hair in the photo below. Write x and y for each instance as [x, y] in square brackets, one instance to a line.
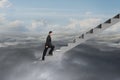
[50, 32]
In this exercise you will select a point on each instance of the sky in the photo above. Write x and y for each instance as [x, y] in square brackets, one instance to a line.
[66, 16]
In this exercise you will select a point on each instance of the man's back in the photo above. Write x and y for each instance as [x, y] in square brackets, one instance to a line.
[48, 41]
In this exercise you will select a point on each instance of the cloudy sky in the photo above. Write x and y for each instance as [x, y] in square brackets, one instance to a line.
[40, 16]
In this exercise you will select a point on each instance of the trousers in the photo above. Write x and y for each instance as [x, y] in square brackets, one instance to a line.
[50, 52]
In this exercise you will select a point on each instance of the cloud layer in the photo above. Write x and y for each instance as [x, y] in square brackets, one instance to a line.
[43, 25]
[72, 23]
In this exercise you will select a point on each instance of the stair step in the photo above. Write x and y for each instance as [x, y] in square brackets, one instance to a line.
[70, 44]
[99, 26]
[115, 20]
[90, 31]
[97, 30]
[108, 21]
[88, 36]
[63, 48]
[81, 36]
[105, 25]
[117, 16]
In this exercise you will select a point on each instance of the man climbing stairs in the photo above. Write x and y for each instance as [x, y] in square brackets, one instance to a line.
[85, 36]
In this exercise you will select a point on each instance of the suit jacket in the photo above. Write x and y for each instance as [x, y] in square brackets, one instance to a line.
[48, 41]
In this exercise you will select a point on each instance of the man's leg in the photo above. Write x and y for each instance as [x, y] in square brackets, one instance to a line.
[44, 53]
[51, 50]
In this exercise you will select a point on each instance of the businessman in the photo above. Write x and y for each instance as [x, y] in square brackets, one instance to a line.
[48, 44]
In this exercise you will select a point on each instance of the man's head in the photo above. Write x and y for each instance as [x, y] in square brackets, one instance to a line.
[50, 32]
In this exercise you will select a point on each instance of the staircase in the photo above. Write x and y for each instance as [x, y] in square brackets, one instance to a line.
[85, 36]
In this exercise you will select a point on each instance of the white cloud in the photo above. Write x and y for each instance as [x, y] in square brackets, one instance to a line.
[73, 23]
[73, 26]
[114, 28]
[17, 26]
[16, 23]
[2, 18]
[41, 26]
[88, 13]
[45, 76]
[82, 24]
[5, 4]
[14, 26]
[89, 22]
[37, 24]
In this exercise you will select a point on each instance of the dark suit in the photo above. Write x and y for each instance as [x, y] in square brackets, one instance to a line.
[49, 44]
